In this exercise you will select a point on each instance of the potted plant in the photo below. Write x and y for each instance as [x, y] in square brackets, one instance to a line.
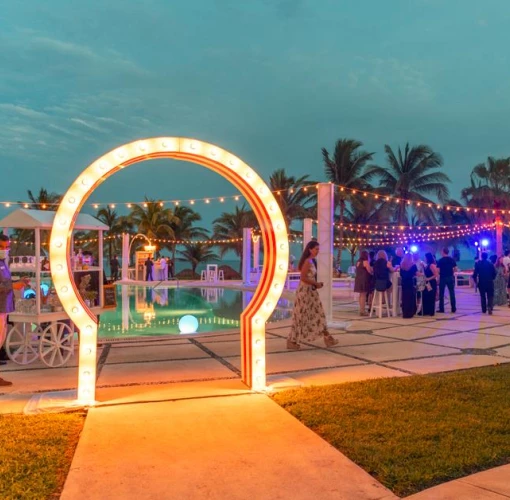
[90, 297]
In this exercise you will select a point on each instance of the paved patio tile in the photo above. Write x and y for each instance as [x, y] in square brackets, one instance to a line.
[398, 320]
[504, 351]
[495, 480]
[504, 331]
[498, 317]
[155, 353]
[469, 340]
[460, 325]
[353, 338]
[38, 364]
[373, 325]
[164, 371]
[446, 363]
[44, 379]
[395, 350]
[411, 332]
[345, 374]
[456, 490]
[301, 360]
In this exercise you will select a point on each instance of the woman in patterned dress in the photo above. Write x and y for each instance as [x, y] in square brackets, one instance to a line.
[500, 283]
[308, 318]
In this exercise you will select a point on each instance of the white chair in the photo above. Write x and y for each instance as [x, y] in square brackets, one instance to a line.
[377, 304]
[203, 276]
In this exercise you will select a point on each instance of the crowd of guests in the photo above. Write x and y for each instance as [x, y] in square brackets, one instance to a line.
[424, 282]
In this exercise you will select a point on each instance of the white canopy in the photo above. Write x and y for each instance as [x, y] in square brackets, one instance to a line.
[43, 219]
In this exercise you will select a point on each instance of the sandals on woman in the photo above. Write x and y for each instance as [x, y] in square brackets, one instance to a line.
[293, 346]
[329, 340]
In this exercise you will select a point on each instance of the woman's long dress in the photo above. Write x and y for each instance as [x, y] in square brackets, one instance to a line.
[408, 292]
[500, 288]
[308, 317]
[362, 280]
[429, 296]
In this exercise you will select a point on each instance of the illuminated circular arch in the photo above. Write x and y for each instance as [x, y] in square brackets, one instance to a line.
[232, 168]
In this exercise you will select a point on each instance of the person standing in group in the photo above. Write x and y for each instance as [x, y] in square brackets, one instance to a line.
[148, 269]
[447, 266]
[431, 274]
[170, 267]
[397, 258]
[408, 272]
[381, 270]
[308, 317]
[500, 281]
[420, 281]
[114, 268]
[371, 261]
[6, 293]
[484, 275]
[506, 260]
[362, 281]
[162, 269]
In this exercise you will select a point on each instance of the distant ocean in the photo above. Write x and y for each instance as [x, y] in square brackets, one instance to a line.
[463, 264]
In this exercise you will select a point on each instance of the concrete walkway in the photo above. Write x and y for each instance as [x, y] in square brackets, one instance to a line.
[174, 421]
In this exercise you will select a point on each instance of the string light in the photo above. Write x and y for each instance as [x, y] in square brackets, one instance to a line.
[409, 202]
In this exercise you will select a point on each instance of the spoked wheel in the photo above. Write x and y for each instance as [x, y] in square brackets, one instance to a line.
[22, 344]
[57, 344]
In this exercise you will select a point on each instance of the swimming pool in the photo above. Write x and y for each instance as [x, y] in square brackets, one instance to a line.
[152, 311]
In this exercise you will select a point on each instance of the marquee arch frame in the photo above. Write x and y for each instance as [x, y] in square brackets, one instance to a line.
[243, 177]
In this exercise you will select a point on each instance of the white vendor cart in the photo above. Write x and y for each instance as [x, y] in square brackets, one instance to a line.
[39, 327]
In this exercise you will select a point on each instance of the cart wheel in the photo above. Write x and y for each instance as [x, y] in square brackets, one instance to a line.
[57, 344]
[22, 343]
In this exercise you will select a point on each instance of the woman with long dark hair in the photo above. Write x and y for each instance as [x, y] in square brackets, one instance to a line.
[363, 281]
[408, 272]
[308, 318]
[431, 273]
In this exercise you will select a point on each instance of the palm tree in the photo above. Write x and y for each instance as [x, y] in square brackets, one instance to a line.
[413, 176]
[196, 253]
[347, 167]
[183, 227]
[490, 184]
[292, 195]
[44, 200]
[153, 220]
[363, 211]
[230, 226]
[117, 224]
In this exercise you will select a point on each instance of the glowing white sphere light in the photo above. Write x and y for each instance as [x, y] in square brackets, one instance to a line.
[188, 324]
[414, 248]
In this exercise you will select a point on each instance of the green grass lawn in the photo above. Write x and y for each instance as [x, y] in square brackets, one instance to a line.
[414, 432]
[36, 453]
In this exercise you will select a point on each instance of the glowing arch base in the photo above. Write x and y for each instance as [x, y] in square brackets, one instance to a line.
[251, 186]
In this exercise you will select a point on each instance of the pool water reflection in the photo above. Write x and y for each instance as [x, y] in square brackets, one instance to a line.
[151, 311]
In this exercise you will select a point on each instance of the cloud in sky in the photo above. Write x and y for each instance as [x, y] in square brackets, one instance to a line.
[273, 81]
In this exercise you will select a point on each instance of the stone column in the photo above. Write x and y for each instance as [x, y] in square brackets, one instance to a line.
[499, 236]
[246, 255]
[307, 231]
[125, 256]
[325, 239]
[256, 252]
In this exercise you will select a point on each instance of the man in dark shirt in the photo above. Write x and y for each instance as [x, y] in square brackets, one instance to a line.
[148, 269]
[114, 267]
[484, 275]
[447, 266]
[397, 258]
